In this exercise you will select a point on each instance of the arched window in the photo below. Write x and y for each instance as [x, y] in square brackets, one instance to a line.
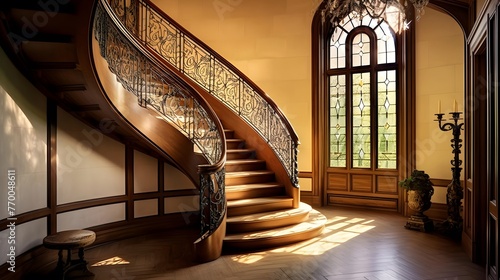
[362, 78]
[361, 117]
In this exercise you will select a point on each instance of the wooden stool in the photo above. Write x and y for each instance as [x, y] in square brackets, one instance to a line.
[68, 240]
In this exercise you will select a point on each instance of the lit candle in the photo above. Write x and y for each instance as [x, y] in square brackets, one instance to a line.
[439, 106]
[455, 106]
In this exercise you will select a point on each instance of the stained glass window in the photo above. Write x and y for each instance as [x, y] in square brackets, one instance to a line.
[387, 135]
[361, 119]
[337, 49]
[361, 50]
[362, 96]
[337, 121]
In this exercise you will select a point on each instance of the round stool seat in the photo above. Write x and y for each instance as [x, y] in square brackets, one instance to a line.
[69, 239]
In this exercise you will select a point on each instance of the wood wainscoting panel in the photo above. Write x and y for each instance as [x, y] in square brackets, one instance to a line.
[337, 182]
[362, 183]
[387, 184]
[391, 204]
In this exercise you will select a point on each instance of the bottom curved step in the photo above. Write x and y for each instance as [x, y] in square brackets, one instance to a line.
[280, 236]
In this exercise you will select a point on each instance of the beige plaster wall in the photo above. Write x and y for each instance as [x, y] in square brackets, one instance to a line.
[440, 78]
[269, 41]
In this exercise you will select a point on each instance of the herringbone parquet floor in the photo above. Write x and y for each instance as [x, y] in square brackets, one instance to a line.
[356, 244]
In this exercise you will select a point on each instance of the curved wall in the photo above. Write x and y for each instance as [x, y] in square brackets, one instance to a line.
[23, 148]
[114, 188]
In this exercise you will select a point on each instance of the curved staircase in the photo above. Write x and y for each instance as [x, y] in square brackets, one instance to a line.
[263, 208]
[260, 214]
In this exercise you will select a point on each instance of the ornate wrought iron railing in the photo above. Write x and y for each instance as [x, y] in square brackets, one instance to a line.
[158, 32]
[157, 88]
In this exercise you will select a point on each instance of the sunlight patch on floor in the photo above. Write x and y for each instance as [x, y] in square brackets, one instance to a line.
[337, 231]
[111, 261]
[249, 258]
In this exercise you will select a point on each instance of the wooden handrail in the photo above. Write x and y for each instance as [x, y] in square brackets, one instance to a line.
[229, 65]
[172, 75]
[205, 67]
[145, 70]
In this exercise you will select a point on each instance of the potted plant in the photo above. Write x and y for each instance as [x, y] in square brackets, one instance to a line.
[420, 190]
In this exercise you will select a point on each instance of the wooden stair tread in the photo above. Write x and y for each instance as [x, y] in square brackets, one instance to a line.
[242, 161]
[256, 201]
[239, 150]
[249, 187]
[248, 173]
[272, 215]
[316, 222]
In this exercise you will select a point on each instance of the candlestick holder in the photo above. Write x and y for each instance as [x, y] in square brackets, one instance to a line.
[454, 194]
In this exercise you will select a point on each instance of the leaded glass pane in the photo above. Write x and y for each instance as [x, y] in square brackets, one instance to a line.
[337, 49]
[386, 44]
[361, 50]
[361, 150]
[357, 95]
[337, 121]
[387, 121]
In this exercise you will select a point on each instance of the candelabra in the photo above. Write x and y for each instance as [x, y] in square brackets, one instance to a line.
[454, 194]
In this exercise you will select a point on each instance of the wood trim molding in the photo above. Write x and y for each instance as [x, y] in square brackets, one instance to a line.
[407, 109]
[462, 12]
[161, 187]
[318, 33]
[129, 181]
[438, 212]
[52, 166]
[444, 182]
[91, 203]
[29, 216]
[305, 174]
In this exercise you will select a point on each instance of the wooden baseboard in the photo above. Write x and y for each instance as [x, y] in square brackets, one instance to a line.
[437, 212]
[363, 201]
[314, 201]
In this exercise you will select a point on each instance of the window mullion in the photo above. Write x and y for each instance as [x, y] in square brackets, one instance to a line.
[349, 132]
[374, 119]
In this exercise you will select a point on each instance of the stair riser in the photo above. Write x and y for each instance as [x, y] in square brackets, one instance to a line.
[273, 242]
[246, 166]
[249, 179]
[229, 134]
[233, 145]
[256, 226]
[252, 193]
[252, 209]
[241, 155]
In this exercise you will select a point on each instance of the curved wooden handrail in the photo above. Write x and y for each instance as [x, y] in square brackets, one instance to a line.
[228, 64]
[161, 65]
[141, 70]
[214, 74]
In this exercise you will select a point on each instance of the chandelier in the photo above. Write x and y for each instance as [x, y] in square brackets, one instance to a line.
[392, 11]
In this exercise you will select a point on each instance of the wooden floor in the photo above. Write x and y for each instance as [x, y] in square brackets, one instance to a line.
[356, 244]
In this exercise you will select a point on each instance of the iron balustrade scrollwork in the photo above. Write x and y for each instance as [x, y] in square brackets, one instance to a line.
[212, 200]
[217, 76]
[156, 88]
